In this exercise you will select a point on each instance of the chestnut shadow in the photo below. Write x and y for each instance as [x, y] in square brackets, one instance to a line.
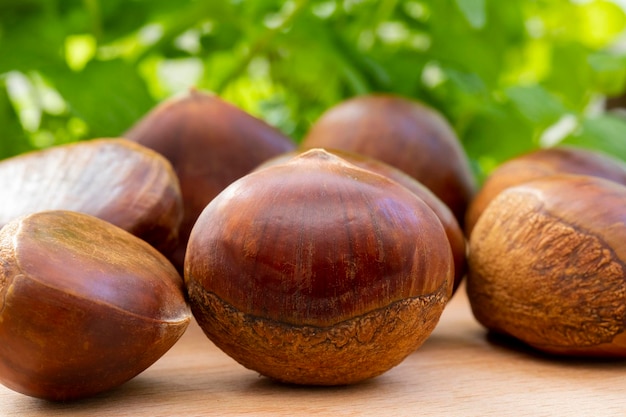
[264, 384]
[135, 391]
[459, 342]
[510, 343]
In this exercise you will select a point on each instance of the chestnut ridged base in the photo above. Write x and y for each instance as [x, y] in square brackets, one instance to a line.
[347, 352]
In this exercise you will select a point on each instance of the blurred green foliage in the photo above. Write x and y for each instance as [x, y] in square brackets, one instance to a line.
[509, 75]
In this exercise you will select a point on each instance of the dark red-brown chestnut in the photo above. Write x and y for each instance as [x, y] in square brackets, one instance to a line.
[404, 133]
[318, 272]
[84, 305]
[210, 144]
[451, 226]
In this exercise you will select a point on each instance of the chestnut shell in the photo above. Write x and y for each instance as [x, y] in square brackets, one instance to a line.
[454, 232]
[547, 265]
[542, 163]
[318, 272]
[406, 134]
[114, 179]
[210, 144]
[84, 305]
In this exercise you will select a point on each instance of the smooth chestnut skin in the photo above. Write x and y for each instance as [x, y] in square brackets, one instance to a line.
[114, 179]
[454, 232]
[210, 144]
[84, 305]
[547, 265]
[541, 163]
[404, 133]
[318, 272]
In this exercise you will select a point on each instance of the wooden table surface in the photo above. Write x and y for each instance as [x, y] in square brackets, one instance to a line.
[459, 371]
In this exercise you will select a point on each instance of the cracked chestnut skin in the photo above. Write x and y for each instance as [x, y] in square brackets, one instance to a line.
[542, 163]
[406, 134]
[84, 305]
[318, 272]
[547, 265]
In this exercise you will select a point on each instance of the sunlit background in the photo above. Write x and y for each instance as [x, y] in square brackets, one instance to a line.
[509, 75]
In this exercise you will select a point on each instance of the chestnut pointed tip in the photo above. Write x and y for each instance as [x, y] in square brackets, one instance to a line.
[405, 133]
[321, 155]
[318, 253]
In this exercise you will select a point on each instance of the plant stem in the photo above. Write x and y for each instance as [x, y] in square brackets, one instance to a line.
[261, 44]
[93, 7]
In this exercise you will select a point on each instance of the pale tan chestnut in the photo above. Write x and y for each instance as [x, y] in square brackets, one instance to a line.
[114, 179]
[84, 305]
[547, 265]
[318, 272]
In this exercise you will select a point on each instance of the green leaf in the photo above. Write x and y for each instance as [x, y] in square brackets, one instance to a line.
[496, 134]
[474, 11]
[609, 72]
[503, 70]
[536, 104]
[37, 42]
[600, 22]
[108, 95]
[570, 74]
[482, 52]
[13, 139]
[605, 132]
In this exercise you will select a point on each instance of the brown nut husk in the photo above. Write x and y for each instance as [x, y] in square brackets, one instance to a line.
[455, 235]
[406, 134]
[84, 305]
[113, 179]
[542, 163]
[546, 265]
[318, 272]
[210, 144]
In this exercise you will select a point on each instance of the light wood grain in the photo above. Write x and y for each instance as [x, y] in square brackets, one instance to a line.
[459, 371]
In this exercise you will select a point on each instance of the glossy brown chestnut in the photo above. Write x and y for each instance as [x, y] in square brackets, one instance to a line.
[547, 265]
[84, 305]
[318, 272]
[541, 163]
[406, 134]
[210, 144]
[115, 180]
[451, 226]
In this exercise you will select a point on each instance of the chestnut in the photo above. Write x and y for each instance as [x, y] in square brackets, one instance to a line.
[210, 143]
[113, 179]
[404, 133]
[539, 163]
[546, 265]
[84, 305]
[318, 272]
[451, 226]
